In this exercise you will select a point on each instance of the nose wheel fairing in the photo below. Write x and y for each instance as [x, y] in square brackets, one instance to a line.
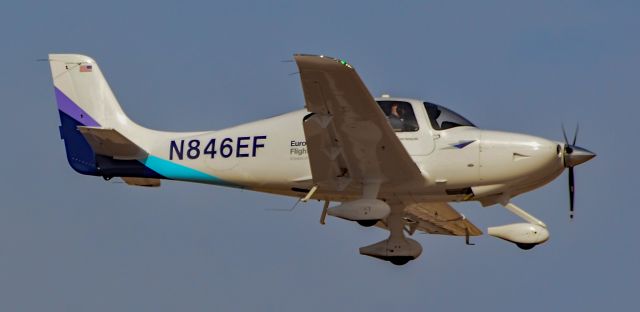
[524, 235]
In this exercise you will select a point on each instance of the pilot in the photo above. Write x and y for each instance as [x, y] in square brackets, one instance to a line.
[395, 117]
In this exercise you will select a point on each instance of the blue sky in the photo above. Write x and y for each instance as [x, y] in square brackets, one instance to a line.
[77, 243]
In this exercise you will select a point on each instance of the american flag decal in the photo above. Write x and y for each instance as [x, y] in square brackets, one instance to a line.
[86, 68]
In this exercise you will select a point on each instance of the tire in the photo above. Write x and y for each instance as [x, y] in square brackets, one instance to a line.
[400, 260]
[367, 223]
[525, 246]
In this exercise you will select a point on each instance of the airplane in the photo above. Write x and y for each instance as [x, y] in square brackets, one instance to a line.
[390, 162]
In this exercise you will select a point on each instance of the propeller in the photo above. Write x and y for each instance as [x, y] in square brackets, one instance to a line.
[573, 155]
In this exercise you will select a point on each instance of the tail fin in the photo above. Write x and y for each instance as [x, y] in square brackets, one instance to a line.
[85, 100]
[82, 92]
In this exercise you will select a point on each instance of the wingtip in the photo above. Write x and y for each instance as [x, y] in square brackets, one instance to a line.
[299, 56]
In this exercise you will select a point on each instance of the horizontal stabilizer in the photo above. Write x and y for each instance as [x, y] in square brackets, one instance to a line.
[109, 142]
[148, 182]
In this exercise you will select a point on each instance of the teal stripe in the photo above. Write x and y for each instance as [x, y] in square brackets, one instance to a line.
[175, 171]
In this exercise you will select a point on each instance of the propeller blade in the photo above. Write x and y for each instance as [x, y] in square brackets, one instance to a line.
[572, 191]
[564, 134]
[573, 156]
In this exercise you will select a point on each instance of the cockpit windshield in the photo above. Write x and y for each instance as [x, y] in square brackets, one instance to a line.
[442, 118]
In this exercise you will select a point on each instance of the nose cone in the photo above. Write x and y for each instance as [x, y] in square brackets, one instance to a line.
[575, 155]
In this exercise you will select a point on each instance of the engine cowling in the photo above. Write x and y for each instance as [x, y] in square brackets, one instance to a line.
[361, 210]
[522, 234]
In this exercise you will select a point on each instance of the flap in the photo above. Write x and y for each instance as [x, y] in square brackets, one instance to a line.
[439, 218]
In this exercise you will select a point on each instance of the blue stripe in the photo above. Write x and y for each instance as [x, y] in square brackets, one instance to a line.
[175, 171]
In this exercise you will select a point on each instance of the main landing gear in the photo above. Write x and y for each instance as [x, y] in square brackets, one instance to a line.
[397, 249]
[368, 211]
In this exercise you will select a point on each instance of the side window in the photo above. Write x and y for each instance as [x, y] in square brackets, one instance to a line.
[442, 118]
[400, 115]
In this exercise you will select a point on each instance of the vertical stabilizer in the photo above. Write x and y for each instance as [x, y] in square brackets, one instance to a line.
[83, 93]
[84, 99]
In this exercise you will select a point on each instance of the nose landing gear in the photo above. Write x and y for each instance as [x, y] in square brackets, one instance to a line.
[524, 235]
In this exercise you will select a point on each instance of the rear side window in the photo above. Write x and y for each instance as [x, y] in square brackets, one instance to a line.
[399, 115]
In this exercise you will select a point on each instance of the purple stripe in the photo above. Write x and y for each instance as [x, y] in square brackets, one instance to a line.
[67, 106]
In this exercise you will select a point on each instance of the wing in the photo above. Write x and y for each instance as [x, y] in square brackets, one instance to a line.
[349, 140]
[438, 218]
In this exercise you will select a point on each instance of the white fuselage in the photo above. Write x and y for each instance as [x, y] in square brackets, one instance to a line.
[271, 156]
